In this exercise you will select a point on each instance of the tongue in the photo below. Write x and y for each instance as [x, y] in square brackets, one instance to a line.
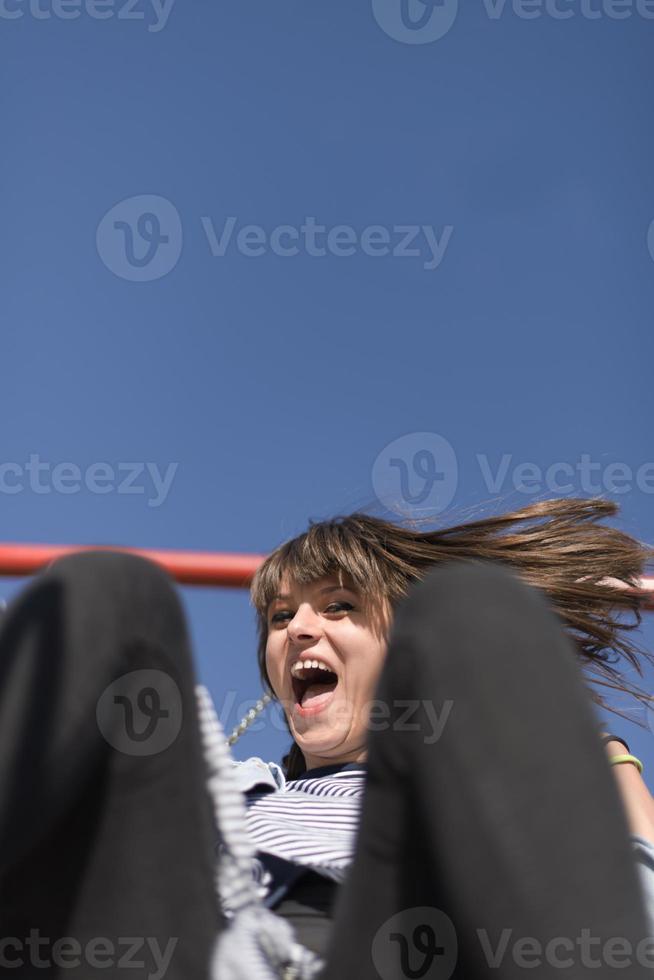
[315, 694]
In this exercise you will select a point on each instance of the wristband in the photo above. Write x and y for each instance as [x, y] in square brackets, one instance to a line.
[627, 758]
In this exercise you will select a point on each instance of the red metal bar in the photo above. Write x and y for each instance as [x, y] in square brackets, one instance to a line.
[186, 567]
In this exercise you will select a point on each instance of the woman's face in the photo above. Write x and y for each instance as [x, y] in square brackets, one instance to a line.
[327, 710]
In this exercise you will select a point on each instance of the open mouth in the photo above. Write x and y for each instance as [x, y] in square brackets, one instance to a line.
[313, 689]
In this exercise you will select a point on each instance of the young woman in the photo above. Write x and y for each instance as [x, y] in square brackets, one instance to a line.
[447, 808]
[482, 704]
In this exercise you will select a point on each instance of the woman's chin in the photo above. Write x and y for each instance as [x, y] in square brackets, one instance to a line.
[320, 724]
[316, 736]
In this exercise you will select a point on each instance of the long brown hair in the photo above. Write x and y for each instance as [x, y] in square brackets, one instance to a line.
[555, 545]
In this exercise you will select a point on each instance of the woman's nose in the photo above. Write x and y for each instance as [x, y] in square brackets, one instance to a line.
[304, 626]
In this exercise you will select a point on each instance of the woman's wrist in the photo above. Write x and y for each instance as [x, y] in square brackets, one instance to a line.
[636, 798]
[637, 801]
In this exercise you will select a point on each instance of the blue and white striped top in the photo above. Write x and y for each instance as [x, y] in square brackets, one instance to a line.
[307, 823]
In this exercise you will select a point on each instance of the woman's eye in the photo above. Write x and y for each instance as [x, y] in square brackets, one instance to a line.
[347, 604]
[278, 616]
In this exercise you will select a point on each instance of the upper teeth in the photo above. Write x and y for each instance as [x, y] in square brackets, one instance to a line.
[304, 664]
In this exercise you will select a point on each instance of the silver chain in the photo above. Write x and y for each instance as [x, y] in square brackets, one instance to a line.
[248, 719]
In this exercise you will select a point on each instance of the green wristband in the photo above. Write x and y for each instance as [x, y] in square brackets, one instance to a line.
[627, 758]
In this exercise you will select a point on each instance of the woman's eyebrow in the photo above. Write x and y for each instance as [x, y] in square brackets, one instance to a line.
[328, 588]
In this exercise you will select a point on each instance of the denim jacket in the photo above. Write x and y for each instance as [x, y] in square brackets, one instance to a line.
[254, 772]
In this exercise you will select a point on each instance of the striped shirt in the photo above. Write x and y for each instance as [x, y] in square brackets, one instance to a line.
[307, 823]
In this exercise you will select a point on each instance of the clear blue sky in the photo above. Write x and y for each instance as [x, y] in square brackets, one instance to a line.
[518, 149]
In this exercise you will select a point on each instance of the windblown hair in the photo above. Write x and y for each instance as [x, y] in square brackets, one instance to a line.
[557, 546]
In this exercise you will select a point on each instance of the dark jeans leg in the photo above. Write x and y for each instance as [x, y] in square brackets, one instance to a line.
[506, 829]
[106, 834]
